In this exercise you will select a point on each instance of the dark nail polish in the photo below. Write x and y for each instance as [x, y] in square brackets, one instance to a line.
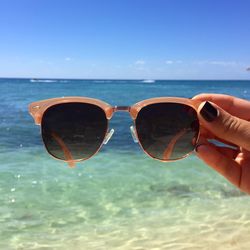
[209, 112]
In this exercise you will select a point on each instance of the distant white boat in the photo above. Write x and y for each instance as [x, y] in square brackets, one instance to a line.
[148, 81]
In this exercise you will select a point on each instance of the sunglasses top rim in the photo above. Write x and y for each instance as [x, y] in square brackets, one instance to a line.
[37, 109]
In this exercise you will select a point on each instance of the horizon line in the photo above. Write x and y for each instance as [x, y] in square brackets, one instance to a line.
[122, 79]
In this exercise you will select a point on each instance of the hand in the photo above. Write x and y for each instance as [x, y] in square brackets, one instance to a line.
[226, 118]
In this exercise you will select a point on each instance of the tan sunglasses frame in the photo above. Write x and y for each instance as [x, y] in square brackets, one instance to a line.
[37, 109]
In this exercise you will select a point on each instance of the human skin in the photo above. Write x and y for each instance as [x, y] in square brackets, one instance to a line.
[228, 122]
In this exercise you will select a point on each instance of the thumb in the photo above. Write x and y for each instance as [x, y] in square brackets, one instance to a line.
[224, 125]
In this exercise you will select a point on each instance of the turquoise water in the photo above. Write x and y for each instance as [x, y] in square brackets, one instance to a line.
[121, 198]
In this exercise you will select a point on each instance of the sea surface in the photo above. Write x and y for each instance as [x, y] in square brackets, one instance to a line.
[120, 198]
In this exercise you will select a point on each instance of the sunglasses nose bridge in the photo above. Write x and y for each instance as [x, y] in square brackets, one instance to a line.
[121, 108]
[132, 110]
[132, 114]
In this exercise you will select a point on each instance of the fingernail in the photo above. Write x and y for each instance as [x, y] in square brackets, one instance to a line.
[209, 112]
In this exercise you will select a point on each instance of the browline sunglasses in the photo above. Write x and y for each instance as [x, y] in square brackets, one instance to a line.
[73, 129]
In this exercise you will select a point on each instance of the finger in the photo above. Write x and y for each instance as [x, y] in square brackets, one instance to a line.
[243, 159]
[231, 153]
[208, 135]
[224, 126]
[228, 152]
[221, 163]
[233, 105]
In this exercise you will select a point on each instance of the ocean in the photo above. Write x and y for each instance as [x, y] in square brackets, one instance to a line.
[120, 198]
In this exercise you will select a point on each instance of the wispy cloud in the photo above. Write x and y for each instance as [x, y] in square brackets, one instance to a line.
[218, 62]
[224, 63]
[67, 59]
[140, 62]
[48, 62]
[169, 62]
[139, 65]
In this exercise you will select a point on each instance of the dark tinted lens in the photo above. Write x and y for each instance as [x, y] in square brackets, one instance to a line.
[167, 131]
[77, 129]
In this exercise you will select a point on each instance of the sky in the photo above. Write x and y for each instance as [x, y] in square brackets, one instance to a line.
[125, 39]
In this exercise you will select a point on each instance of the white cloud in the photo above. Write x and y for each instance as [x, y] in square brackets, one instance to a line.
[173, 62]
[140, 62]
[169, 62]
[220, 63]
[224, 63]
[67, 59]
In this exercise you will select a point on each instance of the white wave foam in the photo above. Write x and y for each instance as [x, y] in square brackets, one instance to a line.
[148, 81]
[102, 81]
[42, 80]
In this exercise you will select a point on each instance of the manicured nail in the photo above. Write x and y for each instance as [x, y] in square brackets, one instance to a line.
[209, 112]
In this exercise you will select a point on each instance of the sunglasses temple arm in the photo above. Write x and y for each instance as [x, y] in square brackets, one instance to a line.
[66, 151]
[168, 151]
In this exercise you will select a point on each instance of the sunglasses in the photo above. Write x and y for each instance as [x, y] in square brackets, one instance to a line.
[75, 128]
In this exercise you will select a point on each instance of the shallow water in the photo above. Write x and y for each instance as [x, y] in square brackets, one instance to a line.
[119, 199]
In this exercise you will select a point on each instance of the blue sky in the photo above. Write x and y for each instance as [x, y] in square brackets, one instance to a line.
[125, 39]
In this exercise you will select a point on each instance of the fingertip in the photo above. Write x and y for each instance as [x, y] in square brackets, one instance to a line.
[223, 164]
[209, 112]
[203, 96]
[198, 97]
[206, 152]
[201, 148]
